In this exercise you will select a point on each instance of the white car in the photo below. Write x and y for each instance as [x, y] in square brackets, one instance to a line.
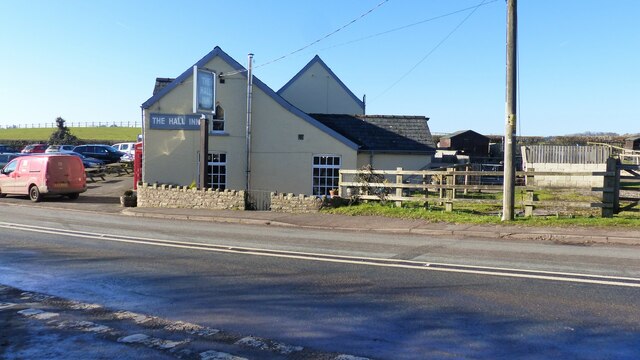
[59, 149]
[127, 148]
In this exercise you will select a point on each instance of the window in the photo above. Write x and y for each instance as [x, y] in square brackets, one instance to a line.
[326, 170]
[217, 170]
[217, 124]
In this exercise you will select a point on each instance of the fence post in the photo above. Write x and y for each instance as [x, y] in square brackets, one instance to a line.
[398, 187]
[339, 183]
[451, 192]
[466, 180]
[451, 180]
[610, 190]
[529, 199]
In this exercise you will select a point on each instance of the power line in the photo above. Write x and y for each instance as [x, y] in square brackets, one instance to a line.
[407, 26]
[315, 41]
[432, 50]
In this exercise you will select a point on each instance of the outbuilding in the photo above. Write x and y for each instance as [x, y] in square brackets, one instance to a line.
[288, 149]
[632, 143]
[468, 142]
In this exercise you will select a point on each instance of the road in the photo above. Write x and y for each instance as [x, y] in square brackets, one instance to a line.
[380, 296]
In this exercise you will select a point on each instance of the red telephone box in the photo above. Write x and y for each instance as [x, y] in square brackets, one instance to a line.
[137, 165]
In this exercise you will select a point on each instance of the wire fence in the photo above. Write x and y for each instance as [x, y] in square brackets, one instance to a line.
[72, 124]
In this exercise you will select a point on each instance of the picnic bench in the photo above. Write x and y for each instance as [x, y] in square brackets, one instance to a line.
[93, 173]
[118, 168]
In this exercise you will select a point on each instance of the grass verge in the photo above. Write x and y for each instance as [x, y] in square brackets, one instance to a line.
[110, 134]
[480, 215]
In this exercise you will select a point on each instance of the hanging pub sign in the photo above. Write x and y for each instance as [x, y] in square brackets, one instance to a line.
[204, 91]
[174, 122]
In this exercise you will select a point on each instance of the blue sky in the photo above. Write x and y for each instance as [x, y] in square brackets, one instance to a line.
[98, 60]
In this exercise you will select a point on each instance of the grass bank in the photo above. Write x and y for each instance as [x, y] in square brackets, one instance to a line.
[104, 134]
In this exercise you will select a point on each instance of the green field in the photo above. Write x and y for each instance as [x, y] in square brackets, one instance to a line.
[84, 134]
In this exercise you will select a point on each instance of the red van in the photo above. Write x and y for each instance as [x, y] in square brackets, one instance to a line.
[38, 175]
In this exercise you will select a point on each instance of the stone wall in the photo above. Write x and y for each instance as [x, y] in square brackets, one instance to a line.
[290, 203]
[168, 196]
[587, 181]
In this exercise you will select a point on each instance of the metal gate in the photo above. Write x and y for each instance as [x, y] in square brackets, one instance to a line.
[258, 200]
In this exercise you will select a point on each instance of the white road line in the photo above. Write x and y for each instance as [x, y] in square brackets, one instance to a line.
[381, 262]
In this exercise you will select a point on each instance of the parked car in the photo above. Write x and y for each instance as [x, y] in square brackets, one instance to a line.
[102, 152]
[127, 148]
[87, 161]
[6, 157]
[35, 149]
[59, 149]
[7, 149]
[39, 175]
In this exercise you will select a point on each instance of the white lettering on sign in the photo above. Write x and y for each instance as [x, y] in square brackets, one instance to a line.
[174, 121]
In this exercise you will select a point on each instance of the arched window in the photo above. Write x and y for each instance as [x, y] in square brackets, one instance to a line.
[217, 124]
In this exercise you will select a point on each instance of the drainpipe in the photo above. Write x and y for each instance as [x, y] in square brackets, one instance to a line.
[143, 134]
[248, 132]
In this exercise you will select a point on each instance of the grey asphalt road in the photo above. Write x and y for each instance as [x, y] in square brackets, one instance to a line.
[339, 306]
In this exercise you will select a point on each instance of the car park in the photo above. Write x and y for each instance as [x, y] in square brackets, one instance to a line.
[6, 157]
[40, 175]
[59, 149]
[35, 149]
[102, 152]
[87, 161]
[7, 149]
[127, 148]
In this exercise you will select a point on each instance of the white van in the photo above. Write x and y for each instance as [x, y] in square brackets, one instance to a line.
[127, 148]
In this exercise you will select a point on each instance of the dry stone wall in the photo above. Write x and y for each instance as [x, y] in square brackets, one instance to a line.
[290, 203]
[168, 196]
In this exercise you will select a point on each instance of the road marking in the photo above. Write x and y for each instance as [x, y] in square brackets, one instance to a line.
[382, 262]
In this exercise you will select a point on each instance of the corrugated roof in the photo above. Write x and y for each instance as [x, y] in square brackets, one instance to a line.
[385, 133]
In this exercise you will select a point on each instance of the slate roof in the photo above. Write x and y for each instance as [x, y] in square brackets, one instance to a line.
[382, 133]
[454, 134]
[217, 51]
[161, 83]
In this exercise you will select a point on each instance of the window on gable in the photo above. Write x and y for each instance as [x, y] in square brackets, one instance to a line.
[217, 124]
[326, 170]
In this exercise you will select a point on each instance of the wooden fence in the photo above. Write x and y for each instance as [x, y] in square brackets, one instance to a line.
[73, 124]
[557, 154]
[445, 186]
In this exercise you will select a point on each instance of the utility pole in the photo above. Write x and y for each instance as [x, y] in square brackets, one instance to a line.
[510, 128]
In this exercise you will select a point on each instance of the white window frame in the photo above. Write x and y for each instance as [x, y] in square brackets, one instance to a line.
[327, 175]
[219, 160]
